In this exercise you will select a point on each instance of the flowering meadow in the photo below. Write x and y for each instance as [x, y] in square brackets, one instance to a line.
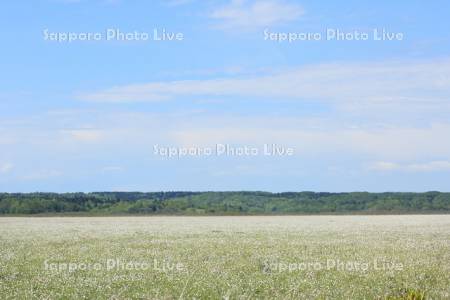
[254, 257]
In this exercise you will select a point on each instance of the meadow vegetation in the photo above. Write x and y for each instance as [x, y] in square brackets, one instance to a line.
[245, 257]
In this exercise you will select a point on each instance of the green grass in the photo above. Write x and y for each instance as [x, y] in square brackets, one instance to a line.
[227, 257]
[408, 294]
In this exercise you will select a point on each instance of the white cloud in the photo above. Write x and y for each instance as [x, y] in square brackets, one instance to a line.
[251, 15]
[431, 166]
[82, 1]
[383, 166]
[388, 86]
[177, 2]
[112, 169]
[328, 138]
[41, 175]
[132, 135]
[84, 135]
[6, 167]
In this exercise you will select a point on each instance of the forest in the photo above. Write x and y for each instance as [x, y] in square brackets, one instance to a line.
[222, 203]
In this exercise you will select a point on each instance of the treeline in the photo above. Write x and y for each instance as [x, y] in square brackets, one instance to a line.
[223, 203]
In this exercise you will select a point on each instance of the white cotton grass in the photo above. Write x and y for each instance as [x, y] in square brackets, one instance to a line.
[263, 257]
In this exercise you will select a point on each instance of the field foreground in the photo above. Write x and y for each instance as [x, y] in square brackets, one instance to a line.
[338, 257]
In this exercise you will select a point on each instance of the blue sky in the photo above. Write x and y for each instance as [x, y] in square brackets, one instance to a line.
[360, 115]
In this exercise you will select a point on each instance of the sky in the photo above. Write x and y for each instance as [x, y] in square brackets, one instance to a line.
[359, 110]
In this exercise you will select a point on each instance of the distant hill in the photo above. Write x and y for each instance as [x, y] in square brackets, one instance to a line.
[223, 203]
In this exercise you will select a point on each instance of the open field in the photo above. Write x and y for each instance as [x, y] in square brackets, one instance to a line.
[338, 257]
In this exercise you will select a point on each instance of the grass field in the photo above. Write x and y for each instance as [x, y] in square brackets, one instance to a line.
[287, 257]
